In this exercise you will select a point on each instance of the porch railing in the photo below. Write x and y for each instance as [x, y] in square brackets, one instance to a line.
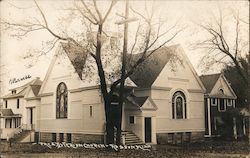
[16, 131]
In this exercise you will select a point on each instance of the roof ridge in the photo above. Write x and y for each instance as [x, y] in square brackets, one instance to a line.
[210, 74]
[28, 83]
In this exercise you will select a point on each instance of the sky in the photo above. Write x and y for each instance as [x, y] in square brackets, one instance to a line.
[12, 50]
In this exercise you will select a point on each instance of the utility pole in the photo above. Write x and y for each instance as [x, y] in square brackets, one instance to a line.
[1, 74]
[123, 72]
[124, 63]
[248, 96]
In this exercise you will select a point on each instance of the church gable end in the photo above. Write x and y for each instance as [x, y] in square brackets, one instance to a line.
[179, 72]
[60, 69]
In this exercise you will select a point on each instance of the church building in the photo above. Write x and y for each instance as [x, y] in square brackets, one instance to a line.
[167, 105]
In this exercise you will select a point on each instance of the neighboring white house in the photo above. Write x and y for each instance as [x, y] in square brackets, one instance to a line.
[19, 109]
[167, 104]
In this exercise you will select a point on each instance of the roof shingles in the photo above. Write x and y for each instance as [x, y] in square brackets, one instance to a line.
[35, 87]
[147, 72]
[77, 56]
[209, 81]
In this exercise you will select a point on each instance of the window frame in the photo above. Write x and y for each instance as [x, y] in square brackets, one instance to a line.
[219, 106]
[61, 137]
[6, 104]
[53, 137]
[133, 122]
[184, 105]
[18, 103]
[90, 111]
[229, 102]
[221, 91]
[59, 96]
[69, 137]
[216, 101]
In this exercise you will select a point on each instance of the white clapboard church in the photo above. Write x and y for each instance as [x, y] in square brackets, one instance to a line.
[167, 105]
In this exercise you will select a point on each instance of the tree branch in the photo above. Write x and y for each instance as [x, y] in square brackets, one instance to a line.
[41, 12]
[89, 11]
[97, 11]
[109, 10]
[85, 16]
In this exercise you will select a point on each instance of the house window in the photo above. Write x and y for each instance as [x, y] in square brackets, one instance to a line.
[61, 101]
[229, 102]
[69, 137]
[17, 122]
[132, 119]
[222, 105]
[188, 137]
[8, 123]
[13, 91]
[170, 138]
[18, 103]
[36, 137]
[221, 92]
[215, 123]
[61, 137]
[214, 102]
[90, 111]
[6, 104]
[179, 105]
[53, 137]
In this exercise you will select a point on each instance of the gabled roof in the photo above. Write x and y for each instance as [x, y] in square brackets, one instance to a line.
[209, 81]
[143, 76]
[142, 103]
[139, 101]
[77, 55]
[8, 113]
[35, 81]
[17, 95]
[147, 72]
[35, 89]
[35, 86]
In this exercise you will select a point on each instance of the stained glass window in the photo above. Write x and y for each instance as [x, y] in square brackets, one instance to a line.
[179, 105]
[61, 101]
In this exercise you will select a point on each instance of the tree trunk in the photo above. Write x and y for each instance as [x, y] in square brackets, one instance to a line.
[109, 122]
[107, 98]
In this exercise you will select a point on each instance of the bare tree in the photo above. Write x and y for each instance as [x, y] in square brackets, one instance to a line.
[225, 47]
[149, 38]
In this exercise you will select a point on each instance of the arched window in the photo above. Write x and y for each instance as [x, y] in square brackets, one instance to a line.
[179, 105]
[221, 92]
[61, 101]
